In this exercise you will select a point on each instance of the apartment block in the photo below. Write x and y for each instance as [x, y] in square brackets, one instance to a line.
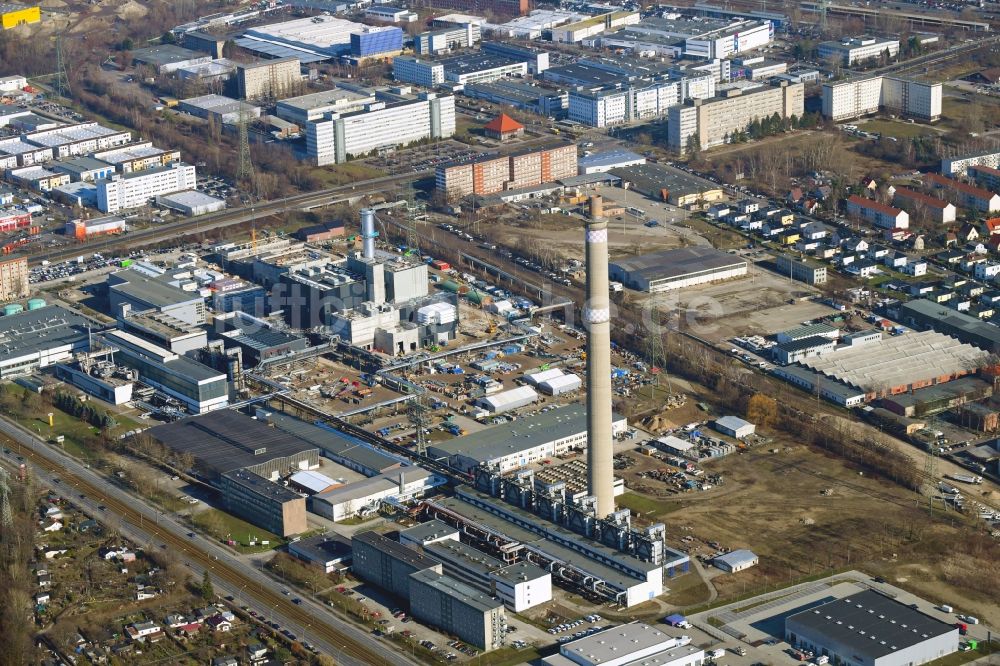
[985, 176]
[960, 164]
[489, 175]
[802, 270]
[846, 100]
[13, 279]
[269, 78]
[969, 196]
[422, 72]
[136, 189]
[924, 206]
[879, 214]
[381, 125]
[858, 49]
[711, 121]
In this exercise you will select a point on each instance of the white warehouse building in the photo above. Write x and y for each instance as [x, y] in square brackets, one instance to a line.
[132, 190]
[419, 71]
[505, 401]
[858, 49]
[339, 137]
[627, 645]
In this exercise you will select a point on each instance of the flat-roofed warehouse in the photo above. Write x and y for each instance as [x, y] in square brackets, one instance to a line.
[522, 442]
[224, 441]
[675, 269]
[871, 629]
[922, 313]
[665, 183]
[39, 338]
[901, 363]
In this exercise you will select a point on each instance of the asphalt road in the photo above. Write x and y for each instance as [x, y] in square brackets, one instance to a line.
[310, 621]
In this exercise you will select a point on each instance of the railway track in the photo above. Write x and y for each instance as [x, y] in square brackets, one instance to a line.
[347, 646]
[228, 218]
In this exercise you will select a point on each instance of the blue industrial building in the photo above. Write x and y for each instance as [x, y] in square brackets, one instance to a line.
[376, 41]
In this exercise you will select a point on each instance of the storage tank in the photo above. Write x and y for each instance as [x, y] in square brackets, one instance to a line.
[479, 298]
[36, 303]
[454, 287]
[13, 308]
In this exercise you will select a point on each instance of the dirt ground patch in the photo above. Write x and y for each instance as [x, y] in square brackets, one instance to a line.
[757, 303]
[805, 512]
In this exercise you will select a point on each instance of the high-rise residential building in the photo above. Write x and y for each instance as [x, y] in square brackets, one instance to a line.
[13, 279]
[858, 49]
[845, 100]
[135, 189]
[488, 175]
[710, 121]
[381, 125]
[269, 78]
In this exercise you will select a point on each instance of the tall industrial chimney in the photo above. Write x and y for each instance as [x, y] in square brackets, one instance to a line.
[368, 232]
[597, 319]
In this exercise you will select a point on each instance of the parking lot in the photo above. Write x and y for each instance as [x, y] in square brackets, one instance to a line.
[424, 157]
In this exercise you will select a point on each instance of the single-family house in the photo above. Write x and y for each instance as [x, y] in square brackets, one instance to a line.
[987, 270]
[914, 266]
[967, 233]
[219, 623]
[864, 269]
[894, 260]
[175, 620]
[992, 225]
[855, 244]
[54, 527]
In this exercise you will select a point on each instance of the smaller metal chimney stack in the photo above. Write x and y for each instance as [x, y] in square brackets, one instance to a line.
[368, 234]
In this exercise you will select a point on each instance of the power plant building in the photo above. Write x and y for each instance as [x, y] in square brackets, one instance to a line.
[458, 609]
[521, 443]
[261, 502]
[675, 269]
[380, 126]
[871, 629]
[39, 338]
[388, 564]
[520, 586]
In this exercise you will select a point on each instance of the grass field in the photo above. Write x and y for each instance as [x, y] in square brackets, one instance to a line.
[644, 505]
[224, 527]
[896, 129]
[73, 430]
